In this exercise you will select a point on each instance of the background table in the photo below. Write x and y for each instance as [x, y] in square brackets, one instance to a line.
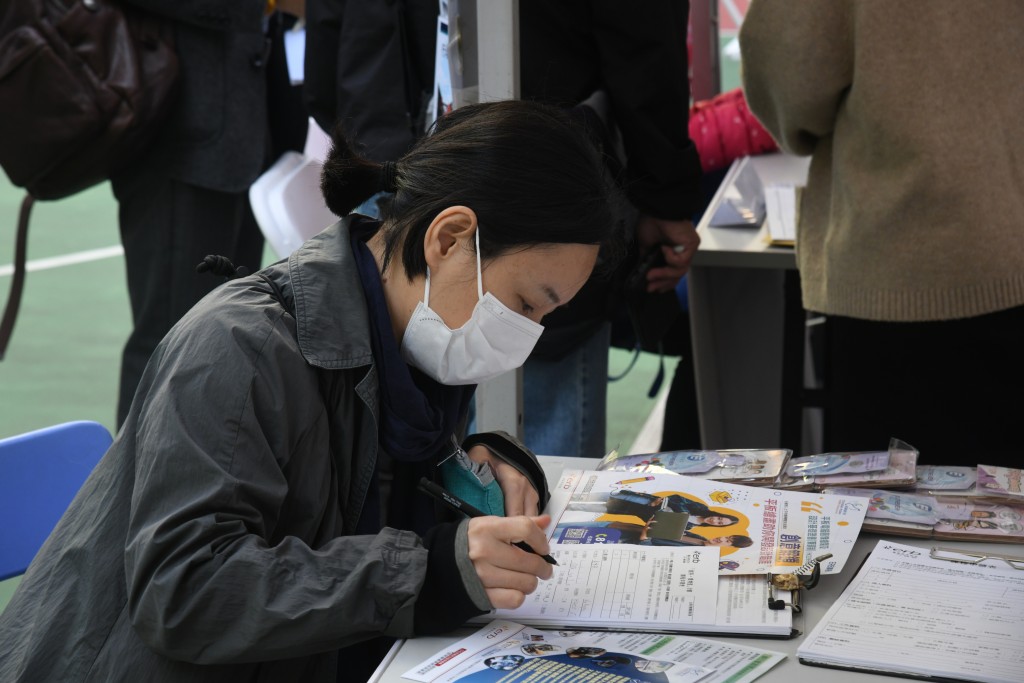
[748, 328]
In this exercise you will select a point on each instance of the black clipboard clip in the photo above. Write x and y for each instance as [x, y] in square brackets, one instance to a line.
[804, 577]
[973, 557]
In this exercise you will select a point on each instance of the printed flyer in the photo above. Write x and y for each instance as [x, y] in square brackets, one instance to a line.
[756, 530]
[754, 467]
[512, 653]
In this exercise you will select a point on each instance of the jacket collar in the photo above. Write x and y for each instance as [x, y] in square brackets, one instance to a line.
[330, 307]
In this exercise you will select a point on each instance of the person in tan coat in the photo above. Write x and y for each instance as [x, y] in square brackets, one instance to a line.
[911, 228]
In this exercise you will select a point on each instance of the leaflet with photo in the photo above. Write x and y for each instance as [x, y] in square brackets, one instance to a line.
[838, 463]
[945, 480]
[901, 472]
[961, 518]
[756, 530]
[508, 651]
[754, 467]
[1000, 484]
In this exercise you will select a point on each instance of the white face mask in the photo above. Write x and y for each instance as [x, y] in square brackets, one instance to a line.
[493, 341]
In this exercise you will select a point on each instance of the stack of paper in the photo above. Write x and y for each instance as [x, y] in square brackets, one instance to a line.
[781, 206]
[666, 552]
[652, 589]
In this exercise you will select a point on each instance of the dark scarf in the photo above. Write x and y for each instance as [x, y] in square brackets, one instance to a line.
[417, 414]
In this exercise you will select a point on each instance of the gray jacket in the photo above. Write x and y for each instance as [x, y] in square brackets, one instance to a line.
[217, 527]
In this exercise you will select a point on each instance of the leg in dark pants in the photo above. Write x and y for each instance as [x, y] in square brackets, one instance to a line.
[167, 227]
[952, 389]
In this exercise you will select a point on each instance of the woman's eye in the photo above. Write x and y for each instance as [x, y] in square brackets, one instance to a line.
[527, 308]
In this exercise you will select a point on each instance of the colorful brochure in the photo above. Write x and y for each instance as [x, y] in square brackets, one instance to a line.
[510, 652]
[756, 530]
[754, 467]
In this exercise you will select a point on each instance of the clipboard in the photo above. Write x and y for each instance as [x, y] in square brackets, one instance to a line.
[914, 637]
[974, 557]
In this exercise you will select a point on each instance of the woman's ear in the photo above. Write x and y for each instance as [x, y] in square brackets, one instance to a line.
[454, 225]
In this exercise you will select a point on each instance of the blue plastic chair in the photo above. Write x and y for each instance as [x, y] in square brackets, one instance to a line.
[40, 473]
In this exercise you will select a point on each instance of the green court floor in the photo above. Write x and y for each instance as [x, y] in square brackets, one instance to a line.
[63, 361]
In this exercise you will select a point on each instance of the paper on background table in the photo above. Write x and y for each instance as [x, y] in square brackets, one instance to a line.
[906, 612]
[780, 205]
[742, 205]
[692, 658]
[295, 55]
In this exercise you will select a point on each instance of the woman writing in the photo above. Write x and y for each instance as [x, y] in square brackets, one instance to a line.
[256, 512]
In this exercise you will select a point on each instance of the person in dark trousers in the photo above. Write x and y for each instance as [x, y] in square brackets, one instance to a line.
[910, 236]
[256, 518]
[568, 50]
[187, 196]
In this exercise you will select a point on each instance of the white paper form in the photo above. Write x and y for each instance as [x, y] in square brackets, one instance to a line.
[616, 586]
[742, 608]
[906, 612]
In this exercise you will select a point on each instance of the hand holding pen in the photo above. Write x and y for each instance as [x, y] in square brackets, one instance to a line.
[459, 505]
[507, 574]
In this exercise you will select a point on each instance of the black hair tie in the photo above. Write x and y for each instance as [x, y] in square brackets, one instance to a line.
[389, 176]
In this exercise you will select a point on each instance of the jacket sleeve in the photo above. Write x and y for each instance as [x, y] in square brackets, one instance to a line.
[797, 67]
[644, 68]
[211, 578]
[323, 42]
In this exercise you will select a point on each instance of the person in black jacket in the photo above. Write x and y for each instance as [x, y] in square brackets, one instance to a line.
[370, 65]
[637, 54]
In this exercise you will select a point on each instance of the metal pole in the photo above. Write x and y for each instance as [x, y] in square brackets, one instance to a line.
[499, 402]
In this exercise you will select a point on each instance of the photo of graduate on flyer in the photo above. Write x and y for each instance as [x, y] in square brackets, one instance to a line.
[639, 518]
[756, 530]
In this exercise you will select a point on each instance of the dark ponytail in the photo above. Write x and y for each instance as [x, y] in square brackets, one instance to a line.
[531, 172]
[347, 179]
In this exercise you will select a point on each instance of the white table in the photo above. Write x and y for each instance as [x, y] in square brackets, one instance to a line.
[738, 319]
[407, 654]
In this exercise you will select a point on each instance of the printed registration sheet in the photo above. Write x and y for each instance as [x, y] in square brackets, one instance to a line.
[625, 586]
[906, 612]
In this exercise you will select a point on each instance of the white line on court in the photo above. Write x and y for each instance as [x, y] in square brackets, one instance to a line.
[649, 438]
[66, 260]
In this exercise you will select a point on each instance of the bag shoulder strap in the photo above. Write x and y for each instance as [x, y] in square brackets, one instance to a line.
[18, 281]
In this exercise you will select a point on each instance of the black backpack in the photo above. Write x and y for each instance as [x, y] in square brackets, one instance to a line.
[84, 85]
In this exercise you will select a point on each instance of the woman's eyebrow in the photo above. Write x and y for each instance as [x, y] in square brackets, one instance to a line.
[551, 294]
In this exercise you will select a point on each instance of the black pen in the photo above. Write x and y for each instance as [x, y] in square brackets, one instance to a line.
[459, 505]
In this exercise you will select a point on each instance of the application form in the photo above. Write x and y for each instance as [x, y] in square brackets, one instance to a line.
[615, 586]
[906, 612]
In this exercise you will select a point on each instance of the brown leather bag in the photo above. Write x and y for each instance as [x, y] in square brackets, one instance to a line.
[84, 85]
